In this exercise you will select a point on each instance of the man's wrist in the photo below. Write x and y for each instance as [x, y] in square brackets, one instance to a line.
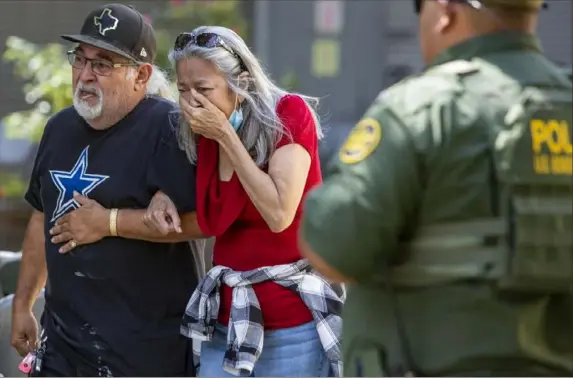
[112, 227]
[22, 305]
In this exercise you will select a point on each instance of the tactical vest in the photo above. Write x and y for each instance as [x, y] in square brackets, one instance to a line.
[528, 246]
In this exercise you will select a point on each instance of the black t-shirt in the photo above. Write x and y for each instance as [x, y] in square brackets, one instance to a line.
[116, 303]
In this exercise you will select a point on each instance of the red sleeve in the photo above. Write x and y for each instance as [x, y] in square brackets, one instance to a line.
[299, 124]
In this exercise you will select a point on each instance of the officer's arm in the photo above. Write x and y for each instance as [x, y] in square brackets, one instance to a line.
[352, 222]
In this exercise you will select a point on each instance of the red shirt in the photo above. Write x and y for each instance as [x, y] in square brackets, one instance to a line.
[249, 243]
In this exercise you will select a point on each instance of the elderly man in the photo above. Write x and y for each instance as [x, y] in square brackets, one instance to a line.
[113, 303]
[449, 208]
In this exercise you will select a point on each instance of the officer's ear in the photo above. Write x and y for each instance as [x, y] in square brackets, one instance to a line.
[142, 76]
[446, 11]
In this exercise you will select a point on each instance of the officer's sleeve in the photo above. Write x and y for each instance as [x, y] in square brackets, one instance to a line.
[33, 193]
[172, 173]
[353, 221]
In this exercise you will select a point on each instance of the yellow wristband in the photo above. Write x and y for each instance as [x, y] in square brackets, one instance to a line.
[113, 222]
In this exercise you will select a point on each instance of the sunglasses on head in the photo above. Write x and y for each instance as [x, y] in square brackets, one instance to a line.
[206, 40]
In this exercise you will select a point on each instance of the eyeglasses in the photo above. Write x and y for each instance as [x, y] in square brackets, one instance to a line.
[100, 67]
[207, 40]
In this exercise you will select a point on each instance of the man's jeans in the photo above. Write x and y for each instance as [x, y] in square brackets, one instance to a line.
[289, 352]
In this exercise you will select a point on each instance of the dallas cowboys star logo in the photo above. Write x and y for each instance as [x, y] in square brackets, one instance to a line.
[76, 180]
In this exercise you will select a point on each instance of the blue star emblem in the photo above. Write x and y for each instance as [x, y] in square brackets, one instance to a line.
[76, 180]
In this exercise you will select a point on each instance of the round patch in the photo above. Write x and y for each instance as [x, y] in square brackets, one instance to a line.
[362, 140]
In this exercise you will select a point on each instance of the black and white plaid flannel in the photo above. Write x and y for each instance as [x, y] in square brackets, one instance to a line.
[246, 329]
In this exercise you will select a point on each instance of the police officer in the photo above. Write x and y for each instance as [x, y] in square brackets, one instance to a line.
[448, 209]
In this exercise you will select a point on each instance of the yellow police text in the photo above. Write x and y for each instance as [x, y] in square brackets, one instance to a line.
[551, 146]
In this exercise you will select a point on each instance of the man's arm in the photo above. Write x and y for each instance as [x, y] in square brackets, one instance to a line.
[169, 172]
[92, 222]
[33, 273]
[352, 222]
[172, 174]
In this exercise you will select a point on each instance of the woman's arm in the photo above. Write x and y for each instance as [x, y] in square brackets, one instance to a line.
[131, 225]
[276, 195]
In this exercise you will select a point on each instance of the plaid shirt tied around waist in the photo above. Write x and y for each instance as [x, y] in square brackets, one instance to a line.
[246, 329]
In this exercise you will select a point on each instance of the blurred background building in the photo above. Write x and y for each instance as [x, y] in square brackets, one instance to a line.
[345, 52]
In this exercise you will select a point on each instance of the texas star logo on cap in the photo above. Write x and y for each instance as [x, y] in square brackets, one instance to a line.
[105, 21]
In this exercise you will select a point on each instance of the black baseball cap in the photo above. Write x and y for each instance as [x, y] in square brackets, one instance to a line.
[120, 29]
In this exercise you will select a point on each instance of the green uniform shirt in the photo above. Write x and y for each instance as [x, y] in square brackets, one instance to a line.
[420, 157]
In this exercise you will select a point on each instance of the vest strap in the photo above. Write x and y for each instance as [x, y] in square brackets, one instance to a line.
[448, 252]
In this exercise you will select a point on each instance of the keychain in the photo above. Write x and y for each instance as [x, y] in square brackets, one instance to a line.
[27, 363]
[40, 351]
[38, 354]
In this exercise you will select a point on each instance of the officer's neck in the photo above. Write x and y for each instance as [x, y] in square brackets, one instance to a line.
[503, 21]
[479, 27]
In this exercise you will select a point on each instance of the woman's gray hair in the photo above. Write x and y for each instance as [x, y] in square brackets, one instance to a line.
[158, 84]
[261, 129]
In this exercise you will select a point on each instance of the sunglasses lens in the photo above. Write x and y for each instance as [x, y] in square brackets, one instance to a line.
[182, 41]
[208, 40]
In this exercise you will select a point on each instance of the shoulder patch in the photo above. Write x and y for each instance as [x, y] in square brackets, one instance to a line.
[361, 142]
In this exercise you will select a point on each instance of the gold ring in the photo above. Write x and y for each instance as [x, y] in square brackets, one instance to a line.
[74, 244]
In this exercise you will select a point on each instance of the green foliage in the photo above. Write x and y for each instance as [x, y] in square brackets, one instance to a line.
[12, 185]
[47, 88]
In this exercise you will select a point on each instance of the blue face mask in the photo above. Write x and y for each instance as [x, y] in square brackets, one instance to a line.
[236, 119]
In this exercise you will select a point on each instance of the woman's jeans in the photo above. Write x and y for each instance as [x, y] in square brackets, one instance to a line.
[289, 352]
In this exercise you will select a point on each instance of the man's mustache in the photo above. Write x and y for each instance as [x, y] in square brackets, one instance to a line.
[88, 89]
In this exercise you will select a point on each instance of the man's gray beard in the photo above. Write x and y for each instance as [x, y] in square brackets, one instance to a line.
[84, 109]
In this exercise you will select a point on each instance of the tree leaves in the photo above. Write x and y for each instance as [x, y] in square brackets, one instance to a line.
[48, 87]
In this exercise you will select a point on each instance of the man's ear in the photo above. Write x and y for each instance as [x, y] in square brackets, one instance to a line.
[244, 81]
[142, 77]
[447, 12]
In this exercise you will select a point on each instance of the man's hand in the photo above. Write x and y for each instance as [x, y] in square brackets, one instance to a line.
[85, 225]
[162, 215]
[24, 332]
